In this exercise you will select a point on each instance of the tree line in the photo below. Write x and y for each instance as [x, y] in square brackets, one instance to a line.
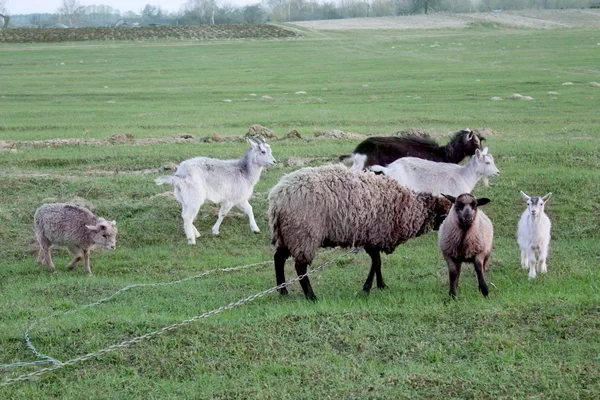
[71, 13]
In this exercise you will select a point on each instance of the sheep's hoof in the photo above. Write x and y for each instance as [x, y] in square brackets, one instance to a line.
[311, 296]
[283, 291]
[484, 291]
[365, 293]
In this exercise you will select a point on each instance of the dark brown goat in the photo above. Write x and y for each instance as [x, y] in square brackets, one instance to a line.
[383, 150]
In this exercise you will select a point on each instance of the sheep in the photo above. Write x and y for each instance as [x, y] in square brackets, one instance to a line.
[76, 227]
[436, 178]
[331, 206]
[466, 235]
[533, 234]
[387, 149]
[225, 182]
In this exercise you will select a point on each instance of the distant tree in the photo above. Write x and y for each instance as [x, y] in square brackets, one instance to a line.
[4, 13]
[253, 14]
[72, 10]
[201, 11]
[424, 5]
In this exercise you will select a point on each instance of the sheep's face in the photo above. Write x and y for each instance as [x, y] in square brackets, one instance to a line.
[465, 207]
[104, 233]
[485, 165]
[535, 205]
[261, 152]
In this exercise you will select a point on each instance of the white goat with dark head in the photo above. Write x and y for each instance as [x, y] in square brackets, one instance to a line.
[225, 182]
[533, 234]
[436, 178]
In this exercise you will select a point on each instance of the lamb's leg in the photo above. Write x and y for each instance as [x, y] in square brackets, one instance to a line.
[225, 207]
[524, 259]
[247, 209]
[532, 263]
[453, 274]
[375, 270]
[78, 255]
[86, 261]
[189, 210]
[281, 254]
[480, 271]
[301, 268]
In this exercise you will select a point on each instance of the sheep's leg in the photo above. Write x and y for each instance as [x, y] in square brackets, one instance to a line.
[48, 258]
[480, 271]
[532, 263]
[281, 254]
[247, 209]
[225, 207]
[454, 274]
[301, 268]
[189, 210]
[524, 259]
[375, 270]
[78, 255]
[86, 261]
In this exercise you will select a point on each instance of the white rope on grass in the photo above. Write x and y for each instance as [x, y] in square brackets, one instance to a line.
[169, 328]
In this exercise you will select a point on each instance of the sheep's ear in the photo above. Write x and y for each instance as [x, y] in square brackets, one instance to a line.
[485, 151]
[547, 197]
[451, 198]
[482, 201]
[92, 228]
[524, 196]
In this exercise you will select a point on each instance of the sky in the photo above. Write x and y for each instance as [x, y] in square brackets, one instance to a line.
[50, 6]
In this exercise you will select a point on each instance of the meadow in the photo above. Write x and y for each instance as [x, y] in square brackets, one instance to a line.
[530, 339]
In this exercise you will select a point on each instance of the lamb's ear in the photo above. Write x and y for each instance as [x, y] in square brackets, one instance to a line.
[113, 222]
[547, 197]
[451, 198]
[92, 228]
[482, 201]
[524, 196]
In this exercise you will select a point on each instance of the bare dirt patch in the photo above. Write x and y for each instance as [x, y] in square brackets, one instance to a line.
[536, 19]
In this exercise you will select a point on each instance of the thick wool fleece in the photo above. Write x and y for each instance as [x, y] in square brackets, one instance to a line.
[334, 206]
[465, 245]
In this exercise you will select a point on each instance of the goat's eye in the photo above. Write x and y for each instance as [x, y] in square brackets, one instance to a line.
[264, 152]
[488, 163]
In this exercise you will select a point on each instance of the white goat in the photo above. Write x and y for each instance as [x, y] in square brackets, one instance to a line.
[533, 235]
[225, 182]
[436, 178]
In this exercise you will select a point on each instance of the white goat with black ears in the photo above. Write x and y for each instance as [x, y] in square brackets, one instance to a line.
[533, 234]
[225, 182]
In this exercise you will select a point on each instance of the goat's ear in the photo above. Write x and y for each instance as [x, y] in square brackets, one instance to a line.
[451, 198]
[477, 153]
[482, 201]
[524, 196]
[547, 197]
[252, 142]
[484, 151]
[469, 134]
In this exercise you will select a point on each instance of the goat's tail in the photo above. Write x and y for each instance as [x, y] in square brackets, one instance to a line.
[171, 180]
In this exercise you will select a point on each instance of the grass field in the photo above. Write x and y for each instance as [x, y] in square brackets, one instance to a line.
[531, 339]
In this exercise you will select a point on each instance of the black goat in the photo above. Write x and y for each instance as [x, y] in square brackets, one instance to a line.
[383, 150]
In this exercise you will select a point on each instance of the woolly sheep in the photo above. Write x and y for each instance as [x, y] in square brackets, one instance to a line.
[332, 206]
[533, 234]
[436, 178]
[383, 150]
[76, 227]
[225, 182]
[466, 236]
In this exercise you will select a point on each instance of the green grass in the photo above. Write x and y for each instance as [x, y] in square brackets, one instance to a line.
[530, 339]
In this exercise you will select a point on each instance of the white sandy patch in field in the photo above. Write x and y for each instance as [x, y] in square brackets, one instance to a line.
[595, 84]
[537, 19]
[496, 98]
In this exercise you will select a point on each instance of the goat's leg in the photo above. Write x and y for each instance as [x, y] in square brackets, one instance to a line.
[542, 259]
[453, 274]
[225, 207]
[189, 210]
[524, 259]
[247, 209]
[301, 268]
[532, 263]
[78, 254]
[281, 254]
[480, 271]
[86, 261]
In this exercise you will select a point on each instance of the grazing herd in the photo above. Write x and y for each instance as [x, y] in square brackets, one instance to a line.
[397, 188]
